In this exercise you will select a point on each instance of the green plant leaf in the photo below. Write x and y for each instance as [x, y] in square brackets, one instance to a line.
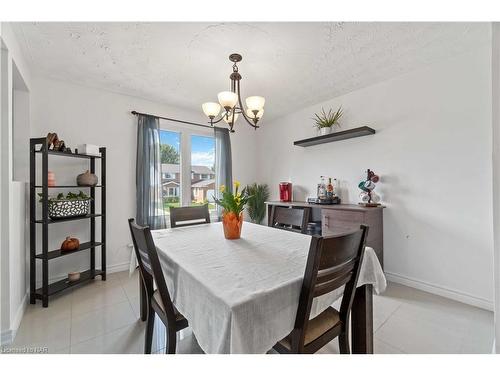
[256, 207]
[327, 120]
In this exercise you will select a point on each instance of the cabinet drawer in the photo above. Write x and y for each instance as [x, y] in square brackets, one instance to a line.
[335, 222]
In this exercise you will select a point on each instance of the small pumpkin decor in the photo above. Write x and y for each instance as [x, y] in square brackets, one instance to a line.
[70, 243]
[233, 205]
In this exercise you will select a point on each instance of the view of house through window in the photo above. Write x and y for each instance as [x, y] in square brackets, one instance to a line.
[202, 170]
[170, 168]
[201, 183]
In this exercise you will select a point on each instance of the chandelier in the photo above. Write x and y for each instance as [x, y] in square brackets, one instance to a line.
[231, 102]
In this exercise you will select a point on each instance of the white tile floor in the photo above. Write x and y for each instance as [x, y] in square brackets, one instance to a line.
[103, 317]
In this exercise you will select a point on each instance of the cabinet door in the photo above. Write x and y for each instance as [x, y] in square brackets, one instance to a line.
[337, 222]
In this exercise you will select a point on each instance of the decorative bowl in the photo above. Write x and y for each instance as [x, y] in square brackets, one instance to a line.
[65, 208]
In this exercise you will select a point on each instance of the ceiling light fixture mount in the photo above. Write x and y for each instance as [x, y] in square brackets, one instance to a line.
[231, 102]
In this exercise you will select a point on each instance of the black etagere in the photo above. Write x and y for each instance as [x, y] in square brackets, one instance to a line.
[38, 146]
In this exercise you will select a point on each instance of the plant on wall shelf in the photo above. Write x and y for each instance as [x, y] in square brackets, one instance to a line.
[325, 121]
[256, 205]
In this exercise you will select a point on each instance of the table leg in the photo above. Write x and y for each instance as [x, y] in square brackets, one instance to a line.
[143, 300]
[362, 320]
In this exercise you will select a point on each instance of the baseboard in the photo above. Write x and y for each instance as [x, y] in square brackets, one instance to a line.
[19, 315]
[441, 291]
[118, 267]
[6, 337]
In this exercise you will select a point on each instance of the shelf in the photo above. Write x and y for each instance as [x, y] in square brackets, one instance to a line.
[52, 221]
[72, 155]
[66, 186]
[60, 253]
[38, 184]
[336, 136]
[59, 286]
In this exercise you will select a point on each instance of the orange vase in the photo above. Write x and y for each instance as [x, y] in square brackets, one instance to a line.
[232, 225]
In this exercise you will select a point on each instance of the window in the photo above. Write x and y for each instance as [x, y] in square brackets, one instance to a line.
[170, 162]
[202, 165]
[188, 166]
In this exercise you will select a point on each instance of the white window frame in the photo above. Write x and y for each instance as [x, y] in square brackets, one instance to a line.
[186, 131]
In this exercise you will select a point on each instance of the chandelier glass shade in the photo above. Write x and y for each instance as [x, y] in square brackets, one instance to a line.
[231, 104]
[211, 109]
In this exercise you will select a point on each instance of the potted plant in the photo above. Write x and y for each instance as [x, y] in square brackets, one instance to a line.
[324, 121]
[71, 205]
[256, 206]
[232, 205]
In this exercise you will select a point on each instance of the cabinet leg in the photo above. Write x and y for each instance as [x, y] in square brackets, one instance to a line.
[32, 299]
[45, 301]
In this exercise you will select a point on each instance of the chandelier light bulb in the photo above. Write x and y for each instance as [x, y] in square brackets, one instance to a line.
[255, 103]
[227, 99]
[250, 114]
[228, 119]
[211, 109]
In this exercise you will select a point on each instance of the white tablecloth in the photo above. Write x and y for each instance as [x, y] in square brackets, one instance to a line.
[241, 296]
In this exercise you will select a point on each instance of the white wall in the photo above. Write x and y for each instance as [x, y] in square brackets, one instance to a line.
[85, 115]
[495, 71]
[15, 75]
[21, 133]
[433, 151]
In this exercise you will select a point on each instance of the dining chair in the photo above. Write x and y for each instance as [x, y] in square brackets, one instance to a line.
[159, 301]
[192, 215]
[333, 262]
[294, 219]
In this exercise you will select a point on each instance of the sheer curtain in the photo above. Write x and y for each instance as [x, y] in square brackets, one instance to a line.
[223, 161]
[148, 174]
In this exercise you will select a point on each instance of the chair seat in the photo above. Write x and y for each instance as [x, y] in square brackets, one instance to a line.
[316, 327]
[157, 301]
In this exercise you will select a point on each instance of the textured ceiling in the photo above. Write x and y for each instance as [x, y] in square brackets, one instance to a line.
[292, 64]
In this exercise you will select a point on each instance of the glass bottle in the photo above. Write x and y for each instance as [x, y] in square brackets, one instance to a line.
[329, 188]
[322, 188]
[336, 188]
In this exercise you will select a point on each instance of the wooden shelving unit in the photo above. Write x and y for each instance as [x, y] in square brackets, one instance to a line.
[38, 146]
[336, 136]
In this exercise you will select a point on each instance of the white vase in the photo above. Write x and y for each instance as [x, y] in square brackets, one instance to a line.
[325, 131]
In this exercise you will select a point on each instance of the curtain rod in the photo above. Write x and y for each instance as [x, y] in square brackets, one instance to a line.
[173, 119]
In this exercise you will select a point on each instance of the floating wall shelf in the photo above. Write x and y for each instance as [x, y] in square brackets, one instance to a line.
[337, 136]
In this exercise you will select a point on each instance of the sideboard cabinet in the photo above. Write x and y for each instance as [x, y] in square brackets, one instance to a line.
[342, 218]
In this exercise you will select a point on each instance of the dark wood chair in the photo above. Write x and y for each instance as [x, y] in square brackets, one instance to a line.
[159, 301]
[192, 215]
[179, 217]
[294, 219]
[332, 262]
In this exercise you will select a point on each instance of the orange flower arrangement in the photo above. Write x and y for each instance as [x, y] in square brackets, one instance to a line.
[233, 205]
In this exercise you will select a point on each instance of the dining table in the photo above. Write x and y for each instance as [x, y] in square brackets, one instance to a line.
[241, 296]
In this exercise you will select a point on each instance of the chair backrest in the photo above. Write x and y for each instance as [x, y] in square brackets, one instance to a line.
[332, 262]
[289, 218]
[192, 215]
[149, 264]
